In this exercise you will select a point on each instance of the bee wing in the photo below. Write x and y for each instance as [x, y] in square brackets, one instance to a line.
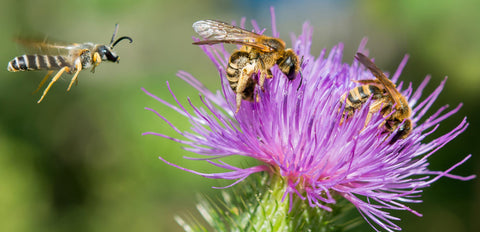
[219, 32]
[389, 86]
[44, 47]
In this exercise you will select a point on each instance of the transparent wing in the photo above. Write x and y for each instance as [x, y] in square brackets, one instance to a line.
[43, 47]
[389, 86]
[219, 32]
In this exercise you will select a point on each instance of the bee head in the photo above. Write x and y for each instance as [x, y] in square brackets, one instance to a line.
[289, 65]
[106, 52]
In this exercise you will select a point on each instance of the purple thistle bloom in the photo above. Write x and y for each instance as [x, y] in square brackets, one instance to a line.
[297, 134]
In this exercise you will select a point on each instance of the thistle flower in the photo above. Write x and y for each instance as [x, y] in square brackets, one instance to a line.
[296, 134]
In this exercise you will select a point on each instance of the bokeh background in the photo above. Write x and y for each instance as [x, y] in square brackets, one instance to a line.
[78, 162]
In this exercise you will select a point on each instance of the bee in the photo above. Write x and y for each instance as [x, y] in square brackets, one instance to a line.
[71, 58]
[386, 99]
[259, 53]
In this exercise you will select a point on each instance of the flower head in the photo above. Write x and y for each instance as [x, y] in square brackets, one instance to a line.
[296, 134]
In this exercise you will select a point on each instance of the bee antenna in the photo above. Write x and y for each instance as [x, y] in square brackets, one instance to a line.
[122, 38]
[301, 75]
[301, 79]
[114, 33]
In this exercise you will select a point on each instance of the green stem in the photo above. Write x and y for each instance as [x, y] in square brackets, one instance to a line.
[258, 204]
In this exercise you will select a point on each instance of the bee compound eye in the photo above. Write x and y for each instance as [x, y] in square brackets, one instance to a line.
[110, 56]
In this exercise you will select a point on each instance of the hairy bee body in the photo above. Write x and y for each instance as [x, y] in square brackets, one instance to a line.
[259, 53]
[386, 99]
[73, 58]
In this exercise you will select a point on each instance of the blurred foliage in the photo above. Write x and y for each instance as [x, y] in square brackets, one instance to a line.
[78, 162]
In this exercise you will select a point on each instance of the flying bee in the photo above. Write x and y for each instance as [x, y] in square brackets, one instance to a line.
[386, 99]
[259, 53]
[71, 58]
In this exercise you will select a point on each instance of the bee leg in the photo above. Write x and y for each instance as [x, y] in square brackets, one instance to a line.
[375, 107]
[54, 79]
[367, 120]
[263, 74]
[242, 81]
[96, 61]
[78, 66]
[43, 81]
[238, 100]
[247, 71]
[261, 81]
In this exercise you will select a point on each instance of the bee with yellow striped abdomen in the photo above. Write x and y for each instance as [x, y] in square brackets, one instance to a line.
[71, 58]
[258, 54]
[385, 98]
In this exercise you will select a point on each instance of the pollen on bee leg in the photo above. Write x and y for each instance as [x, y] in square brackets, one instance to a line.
[242, 84]
[261, 80]
[238, 101]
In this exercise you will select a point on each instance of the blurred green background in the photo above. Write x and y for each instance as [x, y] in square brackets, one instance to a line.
[78, 162]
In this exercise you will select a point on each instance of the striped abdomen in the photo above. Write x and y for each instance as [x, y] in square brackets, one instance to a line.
[36, 62]
[238, 60]
[359, 95]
